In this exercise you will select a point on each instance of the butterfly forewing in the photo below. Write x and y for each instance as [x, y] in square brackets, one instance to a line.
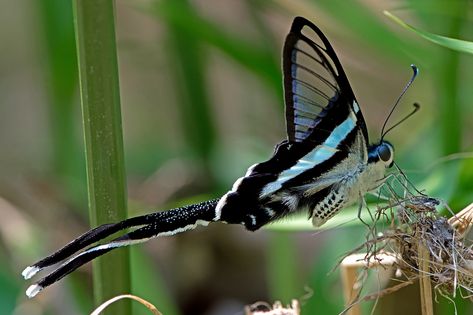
[313, 81]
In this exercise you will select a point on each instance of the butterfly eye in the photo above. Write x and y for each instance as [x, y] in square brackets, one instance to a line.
[385, 152]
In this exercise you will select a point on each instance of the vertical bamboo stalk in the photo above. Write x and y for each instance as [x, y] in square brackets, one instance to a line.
[99, 88]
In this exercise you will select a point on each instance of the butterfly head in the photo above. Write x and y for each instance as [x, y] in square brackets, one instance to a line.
[382, 152]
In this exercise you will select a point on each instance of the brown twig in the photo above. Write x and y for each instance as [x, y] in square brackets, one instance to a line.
[426, 300]
[424, 246]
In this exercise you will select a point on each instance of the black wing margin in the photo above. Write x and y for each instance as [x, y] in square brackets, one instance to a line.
[314, 82]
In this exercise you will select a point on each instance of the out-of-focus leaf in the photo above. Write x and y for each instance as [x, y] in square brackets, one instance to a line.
[189, 58]
[282, 268]
[362, 24]
[61, 84]
[148, 284]
[252, 56]
[464, 191]
[347, 217]
[452, 43]
[327, 297]
[9, 288]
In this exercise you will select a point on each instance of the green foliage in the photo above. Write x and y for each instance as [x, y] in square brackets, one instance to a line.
[250, 55]
[60, 83]
[61, 73]
[188, 57]
[147, 283]
[452, 43]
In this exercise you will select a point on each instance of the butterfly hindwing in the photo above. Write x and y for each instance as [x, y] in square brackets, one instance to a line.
[322, 115]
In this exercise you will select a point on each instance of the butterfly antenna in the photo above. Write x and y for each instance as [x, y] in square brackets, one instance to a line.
[414, 75]
[416, 108]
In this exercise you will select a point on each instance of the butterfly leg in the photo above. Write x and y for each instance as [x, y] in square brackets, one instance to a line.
[364, 205]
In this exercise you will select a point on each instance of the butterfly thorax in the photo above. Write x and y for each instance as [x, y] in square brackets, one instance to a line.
[321, 196]
[372, 174]
[355, 184]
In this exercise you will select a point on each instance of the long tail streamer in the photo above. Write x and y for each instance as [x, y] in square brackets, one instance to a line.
[148, 226]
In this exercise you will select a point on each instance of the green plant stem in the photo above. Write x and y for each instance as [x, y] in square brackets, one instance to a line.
[98, 72]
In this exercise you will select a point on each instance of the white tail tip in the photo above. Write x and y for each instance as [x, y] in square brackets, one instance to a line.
[30, 271]
[33, 290]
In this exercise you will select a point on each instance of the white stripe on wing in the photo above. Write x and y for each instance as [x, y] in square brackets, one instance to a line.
[315, 157]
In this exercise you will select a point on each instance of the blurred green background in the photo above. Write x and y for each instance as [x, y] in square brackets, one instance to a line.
[202, 100]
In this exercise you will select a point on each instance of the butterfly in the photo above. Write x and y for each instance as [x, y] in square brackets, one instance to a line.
[325, 164]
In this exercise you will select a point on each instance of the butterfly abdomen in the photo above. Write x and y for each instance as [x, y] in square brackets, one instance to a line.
[328, 207]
